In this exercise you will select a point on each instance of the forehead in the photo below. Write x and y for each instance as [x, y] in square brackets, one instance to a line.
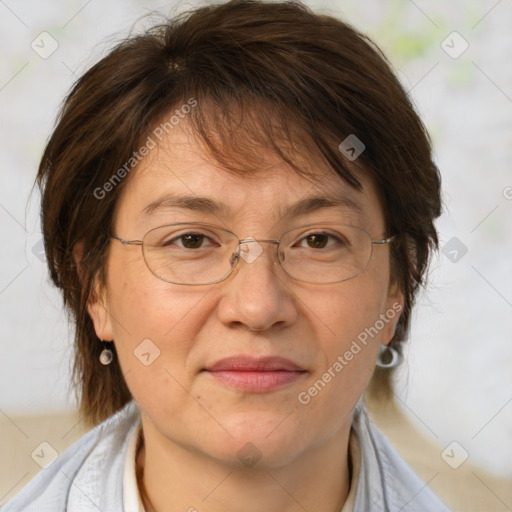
[179, 175]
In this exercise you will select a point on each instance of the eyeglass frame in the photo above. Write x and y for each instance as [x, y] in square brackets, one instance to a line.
[381, 241]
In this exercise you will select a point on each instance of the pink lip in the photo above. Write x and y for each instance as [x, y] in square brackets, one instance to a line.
[255, 374]
[254, 364]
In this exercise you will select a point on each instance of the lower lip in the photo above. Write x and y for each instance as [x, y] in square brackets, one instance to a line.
[256, 382]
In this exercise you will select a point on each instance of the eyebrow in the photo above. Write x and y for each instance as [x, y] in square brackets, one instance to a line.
[304, 206]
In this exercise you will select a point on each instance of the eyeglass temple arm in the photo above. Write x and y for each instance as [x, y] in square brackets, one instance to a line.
[383, 241]
[126, 242]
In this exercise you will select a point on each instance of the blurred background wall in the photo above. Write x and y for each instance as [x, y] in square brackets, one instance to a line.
[454, 58]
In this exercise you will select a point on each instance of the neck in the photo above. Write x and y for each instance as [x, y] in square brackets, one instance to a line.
[173, 478]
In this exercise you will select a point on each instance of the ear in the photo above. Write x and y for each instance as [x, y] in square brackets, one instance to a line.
[97, 304]
[394, 307]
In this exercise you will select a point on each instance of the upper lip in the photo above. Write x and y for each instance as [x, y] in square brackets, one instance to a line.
[254, 364]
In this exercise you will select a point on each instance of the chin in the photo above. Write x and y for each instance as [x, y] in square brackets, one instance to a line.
[258, 441]
[256, 453]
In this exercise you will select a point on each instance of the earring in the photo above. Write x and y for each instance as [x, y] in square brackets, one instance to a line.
[388, 357]
[106, 355]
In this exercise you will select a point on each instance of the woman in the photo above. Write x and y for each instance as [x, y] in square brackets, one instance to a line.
[238, 207]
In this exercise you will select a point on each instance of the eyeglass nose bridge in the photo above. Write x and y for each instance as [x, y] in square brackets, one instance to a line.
[249, 250]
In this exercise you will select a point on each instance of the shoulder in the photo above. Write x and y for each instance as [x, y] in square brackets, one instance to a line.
[81, 476]
[388, 483]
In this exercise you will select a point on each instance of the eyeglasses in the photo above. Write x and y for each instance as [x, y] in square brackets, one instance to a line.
[195, 253]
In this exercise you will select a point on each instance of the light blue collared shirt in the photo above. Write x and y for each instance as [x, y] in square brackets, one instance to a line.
[88, 476]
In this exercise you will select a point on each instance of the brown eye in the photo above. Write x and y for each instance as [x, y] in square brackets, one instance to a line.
[192, 241]
[317, 241]
[187, 241]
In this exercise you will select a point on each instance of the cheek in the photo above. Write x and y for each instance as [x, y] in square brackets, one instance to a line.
[155, 325]
[352, 307]
[141, 305]
[350, 327]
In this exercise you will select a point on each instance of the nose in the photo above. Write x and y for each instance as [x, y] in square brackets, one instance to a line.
[257, 293]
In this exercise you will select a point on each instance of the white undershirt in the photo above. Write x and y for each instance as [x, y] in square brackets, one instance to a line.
[131, 496]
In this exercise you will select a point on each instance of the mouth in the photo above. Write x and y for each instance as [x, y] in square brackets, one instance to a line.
[255, 375]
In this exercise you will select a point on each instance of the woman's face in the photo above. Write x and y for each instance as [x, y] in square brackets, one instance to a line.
[167, 334]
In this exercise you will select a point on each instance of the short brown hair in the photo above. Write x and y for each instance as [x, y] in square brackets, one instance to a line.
[276, 69]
